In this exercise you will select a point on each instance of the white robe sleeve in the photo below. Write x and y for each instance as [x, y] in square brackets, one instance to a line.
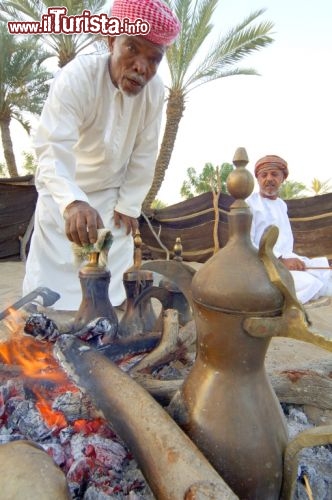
[55, 139]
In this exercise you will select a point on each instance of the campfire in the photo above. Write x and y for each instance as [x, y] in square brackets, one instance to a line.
[83, 396]
[38, 402]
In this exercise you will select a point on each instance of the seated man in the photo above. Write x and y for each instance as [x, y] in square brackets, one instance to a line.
[267, 208]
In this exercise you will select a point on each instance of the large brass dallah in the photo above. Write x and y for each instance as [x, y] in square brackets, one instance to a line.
[227, 405]
[241, 298]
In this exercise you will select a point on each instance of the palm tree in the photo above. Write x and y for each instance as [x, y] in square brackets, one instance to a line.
[291, 189]
[219, 61]
[65, 47]
[320, 187]
[210, 179]
[23, 86]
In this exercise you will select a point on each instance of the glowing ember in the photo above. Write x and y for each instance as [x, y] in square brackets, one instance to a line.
[51, 417]
[37, 363]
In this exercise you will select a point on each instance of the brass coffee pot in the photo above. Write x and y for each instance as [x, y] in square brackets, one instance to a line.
[95, 279]
[169, 292]
[138, 318]
[226, 404]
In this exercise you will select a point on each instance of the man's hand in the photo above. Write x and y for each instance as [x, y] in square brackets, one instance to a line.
[82, 222]
[294, 264]
[130, 223]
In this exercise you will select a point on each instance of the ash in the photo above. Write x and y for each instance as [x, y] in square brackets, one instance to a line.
[315, 463]
[96, 462]
[98, 465]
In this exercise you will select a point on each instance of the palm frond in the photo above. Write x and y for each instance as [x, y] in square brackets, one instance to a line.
[227, 51]
[66, 47]
[195, 28]
[240, 42]
[23, 80]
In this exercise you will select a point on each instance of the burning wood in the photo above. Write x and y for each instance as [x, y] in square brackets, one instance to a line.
[170, 462]
[169, 344]
[39, 403]
[64, 421]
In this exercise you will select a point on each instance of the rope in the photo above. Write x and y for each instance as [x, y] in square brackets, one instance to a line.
[156, 236]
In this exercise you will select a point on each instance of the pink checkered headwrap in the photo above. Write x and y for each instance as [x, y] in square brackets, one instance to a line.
[164, 25]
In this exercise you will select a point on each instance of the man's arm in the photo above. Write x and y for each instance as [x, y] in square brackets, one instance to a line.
[56, 136]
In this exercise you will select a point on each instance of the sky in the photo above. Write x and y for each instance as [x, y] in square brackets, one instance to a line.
[287, 110]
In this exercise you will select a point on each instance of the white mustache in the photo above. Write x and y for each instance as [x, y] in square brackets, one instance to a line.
[270, 184]
[140, 80]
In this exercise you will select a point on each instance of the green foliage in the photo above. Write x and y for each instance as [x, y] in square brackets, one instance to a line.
[3, 170]
[292, 189]
[320, 187]
[30, 163]
[195, 59]
[158, 204]
[65, 47]
[23, 85]
[212, 178]
[190, 66]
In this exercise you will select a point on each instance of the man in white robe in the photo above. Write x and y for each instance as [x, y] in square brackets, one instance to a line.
[96, 144]
[267, 208]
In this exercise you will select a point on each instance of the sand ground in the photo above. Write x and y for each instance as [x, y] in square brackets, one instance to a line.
[11, 277]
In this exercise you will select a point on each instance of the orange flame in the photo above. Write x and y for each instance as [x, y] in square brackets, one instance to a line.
[51, 417]
[37, 362]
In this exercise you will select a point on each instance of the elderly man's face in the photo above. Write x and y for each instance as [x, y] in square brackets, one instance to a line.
[133, 62]
[269, 181]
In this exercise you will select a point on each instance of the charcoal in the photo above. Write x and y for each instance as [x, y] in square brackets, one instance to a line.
[41, 327]
[94, 493]
[168, 372]
[133, 477]
[13, 405]
[125, 348]
[56, 451]
[77, 445]
[74, 405]
[28, 421]
[107, 452]
[79, 474]
[12, 388]
[145, 494]
[65, 435]
[6, 436]
[95, 331]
